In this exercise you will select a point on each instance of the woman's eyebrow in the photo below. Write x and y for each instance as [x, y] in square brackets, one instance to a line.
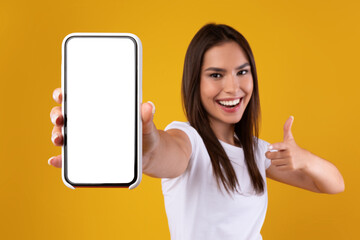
[242, 66]
[223, 70]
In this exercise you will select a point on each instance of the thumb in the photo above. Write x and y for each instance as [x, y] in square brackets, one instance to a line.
[147, 115]
[287, 129]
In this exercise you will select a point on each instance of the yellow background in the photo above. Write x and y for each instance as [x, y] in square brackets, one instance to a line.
[307, 55]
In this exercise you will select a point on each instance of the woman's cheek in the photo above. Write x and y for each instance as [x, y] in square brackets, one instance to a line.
[248, 85]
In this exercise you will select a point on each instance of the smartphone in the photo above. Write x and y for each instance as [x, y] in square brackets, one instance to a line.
[101, 85]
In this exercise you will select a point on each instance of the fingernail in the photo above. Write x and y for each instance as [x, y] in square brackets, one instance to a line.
[270, 147]
[50, 159]
[55, 137]
[153, 107]
[56, 94]
[54, 118]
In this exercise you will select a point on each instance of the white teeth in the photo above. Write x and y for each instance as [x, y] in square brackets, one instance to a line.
[230, 103]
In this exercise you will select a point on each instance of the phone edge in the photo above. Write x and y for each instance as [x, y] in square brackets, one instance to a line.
[139, 101]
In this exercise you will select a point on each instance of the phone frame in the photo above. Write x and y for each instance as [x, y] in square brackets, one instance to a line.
[138, 136]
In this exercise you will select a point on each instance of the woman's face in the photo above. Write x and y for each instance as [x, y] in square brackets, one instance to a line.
[226, 83]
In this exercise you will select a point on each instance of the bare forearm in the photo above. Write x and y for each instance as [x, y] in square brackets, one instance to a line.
[324, 174]
[168, 160]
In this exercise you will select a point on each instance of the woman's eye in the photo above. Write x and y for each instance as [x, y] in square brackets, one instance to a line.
[215, 75]
[242, 72]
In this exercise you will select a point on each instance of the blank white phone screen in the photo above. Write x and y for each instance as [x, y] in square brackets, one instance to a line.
[100, 85]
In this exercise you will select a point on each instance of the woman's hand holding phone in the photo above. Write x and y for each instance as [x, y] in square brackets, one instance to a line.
[58, 120]
[151, 137]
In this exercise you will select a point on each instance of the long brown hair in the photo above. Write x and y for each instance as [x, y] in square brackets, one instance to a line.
[247, 129]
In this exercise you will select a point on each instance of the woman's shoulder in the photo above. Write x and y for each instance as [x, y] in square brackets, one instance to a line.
[262, 145]
[194, 137]
[178, 125]
[261, 142]
[191, 132]
[184, 126]
[262, 149]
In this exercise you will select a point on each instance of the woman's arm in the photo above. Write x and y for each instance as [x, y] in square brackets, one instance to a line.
[298, 167]
[318, 175]
[165, 154]
[171, 157]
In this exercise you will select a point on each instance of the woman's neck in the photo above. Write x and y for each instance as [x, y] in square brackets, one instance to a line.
[224, 132]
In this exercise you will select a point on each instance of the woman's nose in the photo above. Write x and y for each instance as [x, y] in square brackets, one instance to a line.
[231, 84]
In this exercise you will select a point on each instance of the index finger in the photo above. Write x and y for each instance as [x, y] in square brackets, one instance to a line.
[57, 95]
[277, 146]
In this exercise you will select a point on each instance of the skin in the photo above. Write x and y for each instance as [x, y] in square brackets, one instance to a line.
[166, 154]
[221, 78]
[298, 167]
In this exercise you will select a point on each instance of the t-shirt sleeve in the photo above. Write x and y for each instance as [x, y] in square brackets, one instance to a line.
[264, 148]
[169, 184]
[187, 129]
[267, 163]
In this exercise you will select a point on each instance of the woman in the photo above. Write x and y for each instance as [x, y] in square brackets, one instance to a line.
[213, 167]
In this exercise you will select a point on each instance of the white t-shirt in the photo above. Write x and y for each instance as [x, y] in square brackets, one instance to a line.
[195, 207]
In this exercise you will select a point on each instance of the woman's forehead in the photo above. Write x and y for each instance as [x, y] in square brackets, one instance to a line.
[226, 55]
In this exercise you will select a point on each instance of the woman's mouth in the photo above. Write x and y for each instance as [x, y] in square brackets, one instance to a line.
[230, 106]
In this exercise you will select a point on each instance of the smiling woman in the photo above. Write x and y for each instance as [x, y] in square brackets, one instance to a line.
[224, 70]
[222, 87]
[214, 166]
